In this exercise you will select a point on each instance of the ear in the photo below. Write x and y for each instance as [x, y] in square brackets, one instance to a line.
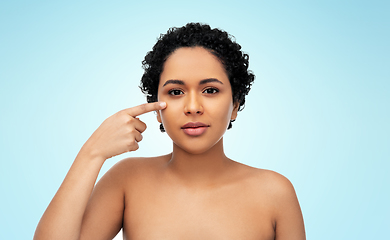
[236, 105]
[158, 116]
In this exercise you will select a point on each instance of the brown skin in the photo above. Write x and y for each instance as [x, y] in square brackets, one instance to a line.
[195, 192]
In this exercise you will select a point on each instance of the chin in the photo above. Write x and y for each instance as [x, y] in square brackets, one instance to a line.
[195, 144]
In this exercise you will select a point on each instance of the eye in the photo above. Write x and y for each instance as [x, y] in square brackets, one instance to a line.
[175, 92]
[211, 90]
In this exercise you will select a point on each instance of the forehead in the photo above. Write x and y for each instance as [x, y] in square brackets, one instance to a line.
[193, 63]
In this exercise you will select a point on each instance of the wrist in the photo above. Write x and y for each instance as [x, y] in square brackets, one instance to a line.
[91, 154]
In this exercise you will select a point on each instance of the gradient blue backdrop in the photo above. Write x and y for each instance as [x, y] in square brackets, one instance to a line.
[318, 112]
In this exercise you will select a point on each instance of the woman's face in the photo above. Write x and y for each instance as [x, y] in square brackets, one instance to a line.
[198, 94]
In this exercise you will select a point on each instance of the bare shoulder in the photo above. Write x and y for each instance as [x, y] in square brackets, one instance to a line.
[135, 167]
[278, 194]
[141, 161]
[275, 182]
[268, 186]
[267, 180]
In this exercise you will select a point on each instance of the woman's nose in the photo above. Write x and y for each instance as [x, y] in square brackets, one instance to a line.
[193, 105]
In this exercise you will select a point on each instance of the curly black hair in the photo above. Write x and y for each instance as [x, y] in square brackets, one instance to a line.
[218, 42]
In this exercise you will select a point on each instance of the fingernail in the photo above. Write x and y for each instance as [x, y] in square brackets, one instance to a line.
[163, 104]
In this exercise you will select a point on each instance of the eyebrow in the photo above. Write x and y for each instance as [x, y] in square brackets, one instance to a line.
[180, 82]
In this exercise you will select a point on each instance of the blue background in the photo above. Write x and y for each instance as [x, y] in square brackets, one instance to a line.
[318, 112]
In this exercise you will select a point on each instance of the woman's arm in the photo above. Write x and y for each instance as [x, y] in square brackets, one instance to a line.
[119, 133]
[63, 217]
[103, 215]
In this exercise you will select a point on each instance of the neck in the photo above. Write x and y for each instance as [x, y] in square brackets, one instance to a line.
[204, 168]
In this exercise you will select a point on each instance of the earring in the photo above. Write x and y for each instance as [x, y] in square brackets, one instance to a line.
[230, 123]
[162, 129]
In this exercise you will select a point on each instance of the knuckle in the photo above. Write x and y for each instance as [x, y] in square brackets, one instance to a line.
[140, 137]
[143, 128]
[131, 142]
[121, 113]
[130, 131]
[122, 116]
[129, 119]
[133, 147]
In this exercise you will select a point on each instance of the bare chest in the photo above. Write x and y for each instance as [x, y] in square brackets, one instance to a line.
[177, 213]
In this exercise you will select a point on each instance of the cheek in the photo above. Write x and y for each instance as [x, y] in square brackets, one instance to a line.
[224, 113]
[222, 108]
[164, 114]
[171, 113]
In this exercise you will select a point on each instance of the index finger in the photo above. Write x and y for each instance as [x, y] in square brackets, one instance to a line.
[146, 107]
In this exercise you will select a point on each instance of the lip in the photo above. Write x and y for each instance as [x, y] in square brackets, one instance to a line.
[194, 125]
[194, 128]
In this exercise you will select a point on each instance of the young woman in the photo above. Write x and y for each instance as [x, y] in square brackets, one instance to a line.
[196, 79]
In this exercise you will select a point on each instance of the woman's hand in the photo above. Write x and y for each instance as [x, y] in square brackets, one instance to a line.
[119, 133]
